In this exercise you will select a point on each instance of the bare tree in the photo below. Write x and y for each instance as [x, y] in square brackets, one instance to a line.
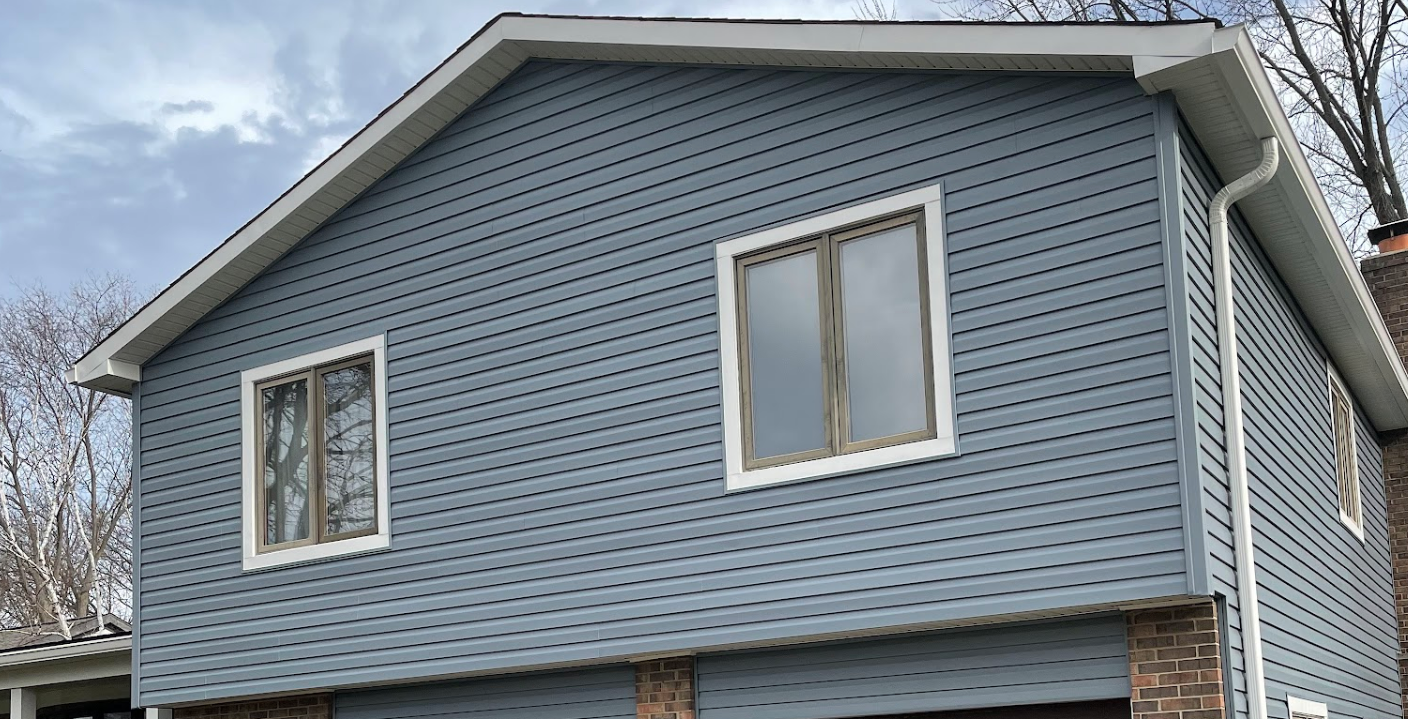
[1342, 66]
[875, 10]
[65, 460]
[1342, 73]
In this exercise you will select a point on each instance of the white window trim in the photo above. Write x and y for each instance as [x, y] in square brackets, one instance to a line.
[1305, 707]
[253, 560]
[726, 253]
[1357, 528]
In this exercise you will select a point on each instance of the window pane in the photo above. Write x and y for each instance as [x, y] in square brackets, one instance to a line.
[1344, 455]
[349, 445]
[286, 462]
[883, 334]
[784, 356]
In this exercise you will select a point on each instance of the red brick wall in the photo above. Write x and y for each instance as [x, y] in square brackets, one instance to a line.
[1175, 663]
[1387, 276]
[311, 706]
[665, 688]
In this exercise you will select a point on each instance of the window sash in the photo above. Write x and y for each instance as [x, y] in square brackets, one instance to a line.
[261, 488]
[322, 448]
[317, 462]
[843, 403]
[836, 402]
[1346, 469]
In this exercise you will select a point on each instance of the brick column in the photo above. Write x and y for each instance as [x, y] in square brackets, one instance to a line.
[308, 706]
[1387, 276]
[665, 688]
[1175, 663]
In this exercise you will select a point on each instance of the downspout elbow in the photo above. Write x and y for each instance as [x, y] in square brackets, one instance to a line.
[1246, 184]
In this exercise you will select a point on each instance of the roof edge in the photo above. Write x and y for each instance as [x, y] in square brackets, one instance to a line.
[114, 364]
[67, 650]
[1381, 386]
[1150, 52]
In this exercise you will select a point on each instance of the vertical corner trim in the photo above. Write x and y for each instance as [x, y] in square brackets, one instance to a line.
[1166, 138]
[136, 690]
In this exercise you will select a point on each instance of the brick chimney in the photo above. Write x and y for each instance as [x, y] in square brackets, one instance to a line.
[1387, 276]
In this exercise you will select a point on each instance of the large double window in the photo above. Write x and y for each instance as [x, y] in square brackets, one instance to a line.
[835, 343]
[836, 352]
[315, 456]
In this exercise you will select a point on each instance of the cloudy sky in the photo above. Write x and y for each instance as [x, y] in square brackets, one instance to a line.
[135, 135]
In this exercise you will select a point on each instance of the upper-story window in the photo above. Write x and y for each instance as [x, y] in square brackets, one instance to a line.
[315, 456]
[835, 343]
[1346, 465]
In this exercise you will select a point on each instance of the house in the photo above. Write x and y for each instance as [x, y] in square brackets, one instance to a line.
[777, 370]
[86, 676]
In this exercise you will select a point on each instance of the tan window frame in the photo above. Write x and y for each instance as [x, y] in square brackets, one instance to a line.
[317, 462]
[835, 406]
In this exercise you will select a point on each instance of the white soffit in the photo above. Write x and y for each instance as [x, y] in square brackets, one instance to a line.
[1229, 103]
[1203, 65]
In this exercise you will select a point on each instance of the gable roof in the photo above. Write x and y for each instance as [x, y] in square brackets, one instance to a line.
[1213, 72]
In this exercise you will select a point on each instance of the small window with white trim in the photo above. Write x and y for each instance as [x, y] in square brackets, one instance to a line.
[835, 343]
[315, 456]
[1346, 466]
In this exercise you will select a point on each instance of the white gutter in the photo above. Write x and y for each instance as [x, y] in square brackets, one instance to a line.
[1232, 419]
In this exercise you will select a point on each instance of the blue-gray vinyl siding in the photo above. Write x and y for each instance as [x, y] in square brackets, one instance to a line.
[1048, 662]
[543, 274]
[1326, 599]
[592, 693]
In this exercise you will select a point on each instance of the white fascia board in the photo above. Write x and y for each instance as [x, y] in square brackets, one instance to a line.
[1237, 65]
[1184, 40]
[71, 650]
[93, 364]
[1149, 49]
[1340, 268]
[1159, 44]
[111, 367]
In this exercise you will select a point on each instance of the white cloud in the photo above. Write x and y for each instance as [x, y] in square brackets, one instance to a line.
[124, 63]
[138, 133]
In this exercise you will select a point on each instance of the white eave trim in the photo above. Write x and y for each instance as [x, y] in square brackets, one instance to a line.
[69, 650]
[509, 40]
[1381, 384]
[116, 369]
[879, 39]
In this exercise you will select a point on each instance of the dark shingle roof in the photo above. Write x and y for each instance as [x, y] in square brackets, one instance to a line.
[82, 629]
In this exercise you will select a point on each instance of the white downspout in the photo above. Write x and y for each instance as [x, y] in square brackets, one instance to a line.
[1232, 422]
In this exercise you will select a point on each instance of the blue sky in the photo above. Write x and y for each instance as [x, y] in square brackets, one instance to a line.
[137, 135]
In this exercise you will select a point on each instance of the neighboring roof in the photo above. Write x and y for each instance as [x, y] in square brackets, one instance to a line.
[1213, 72]
[80, 629]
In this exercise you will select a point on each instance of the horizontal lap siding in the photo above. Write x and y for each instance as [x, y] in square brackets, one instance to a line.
[1328, 626]
[1060, 661]
[543, 271]
[597, 693]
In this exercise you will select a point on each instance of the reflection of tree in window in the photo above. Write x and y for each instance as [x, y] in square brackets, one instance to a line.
[349, 448]
[286, 462]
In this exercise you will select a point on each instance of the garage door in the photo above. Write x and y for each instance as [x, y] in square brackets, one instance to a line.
[1038, 663]
[600, 693]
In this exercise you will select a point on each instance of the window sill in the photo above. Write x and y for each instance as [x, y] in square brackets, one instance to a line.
[1356, 529]
[843, 464]
[317, 552]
